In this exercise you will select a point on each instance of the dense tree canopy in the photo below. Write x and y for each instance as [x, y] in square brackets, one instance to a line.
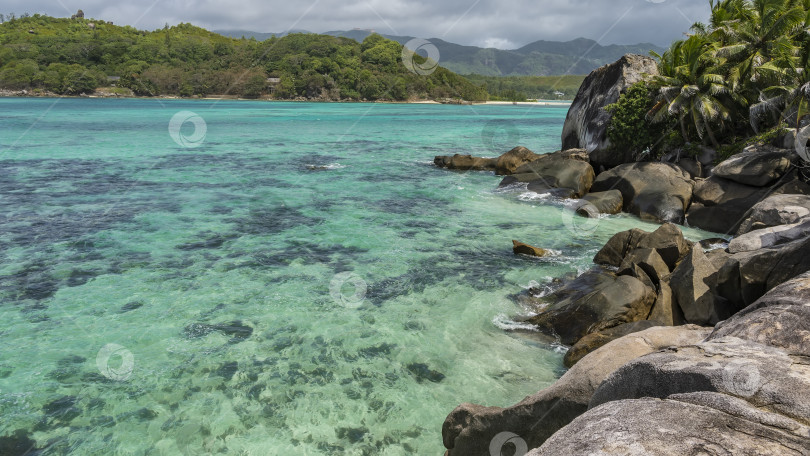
[72, 56]
[744, 72]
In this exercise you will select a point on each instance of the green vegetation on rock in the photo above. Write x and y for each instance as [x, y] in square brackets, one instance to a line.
[74, 56]
[629, 127]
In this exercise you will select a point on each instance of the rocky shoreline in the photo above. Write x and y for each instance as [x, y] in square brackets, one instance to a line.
[675, 347]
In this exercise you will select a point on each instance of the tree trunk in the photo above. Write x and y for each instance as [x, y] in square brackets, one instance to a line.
[712, 138]
[683, 129]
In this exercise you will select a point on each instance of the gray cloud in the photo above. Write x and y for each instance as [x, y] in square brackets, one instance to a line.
[476, 22]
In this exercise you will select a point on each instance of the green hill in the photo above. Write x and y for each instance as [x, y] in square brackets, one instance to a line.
[73, 56]
[541, 58]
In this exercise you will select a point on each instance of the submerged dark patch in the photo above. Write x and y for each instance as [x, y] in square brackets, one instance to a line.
[228, 370]
[131, 306]
[383, 349]
[480, 269]
[307, 252]
[353, 435]
[210, 242]
[424, 373]
[18, 444]
[238, 331]
[63, 409]
[79, 277]
[274, 220]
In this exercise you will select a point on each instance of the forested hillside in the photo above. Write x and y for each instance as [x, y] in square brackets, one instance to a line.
[74, 56]
[540, 58]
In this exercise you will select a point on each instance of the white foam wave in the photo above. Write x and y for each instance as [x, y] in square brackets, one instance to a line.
[507, 324]
[329, 166]
[532, 284]
[513, 188]
[715, 246]
[532, 196]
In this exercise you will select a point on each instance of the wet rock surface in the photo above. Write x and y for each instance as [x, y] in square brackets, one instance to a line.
[658, 192]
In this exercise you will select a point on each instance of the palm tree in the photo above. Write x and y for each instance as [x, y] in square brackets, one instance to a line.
[689, 88]
[722, 12]
[758, 40]
[787, 103]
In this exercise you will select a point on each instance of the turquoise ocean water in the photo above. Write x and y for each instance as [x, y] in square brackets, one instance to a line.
[267, 278]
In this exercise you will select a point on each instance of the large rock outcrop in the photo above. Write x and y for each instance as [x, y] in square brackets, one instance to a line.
[514, 159]
[721, 205]
[470, 428]
[658, 192]
[776, 210]
[609, 202]
[666, 311]
[759, 271]
[756, 165]
[667, 240]
[742, 390]
[693, 284]
[593, 341]
[781, 319]
[727, 394]
[761, 374]
[586, 123]
[769, 237]
[678, 426]
[594, 301]
[558, 170]
[503, 165]
[465, 162]
[675, 280]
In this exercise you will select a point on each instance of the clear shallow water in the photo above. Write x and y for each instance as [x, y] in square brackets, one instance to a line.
[303, 281]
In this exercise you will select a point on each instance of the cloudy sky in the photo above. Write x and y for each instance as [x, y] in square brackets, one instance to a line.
[504, 24]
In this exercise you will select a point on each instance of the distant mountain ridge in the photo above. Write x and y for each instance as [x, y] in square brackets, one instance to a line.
[540, 58]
